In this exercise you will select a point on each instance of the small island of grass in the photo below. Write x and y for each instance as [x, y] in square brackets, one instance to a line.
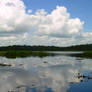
[87, 54]
[17, 54]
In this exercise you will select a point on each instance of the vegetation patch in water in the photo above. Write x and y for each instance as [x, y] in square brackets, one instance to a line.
[85, 54]
[14, 54]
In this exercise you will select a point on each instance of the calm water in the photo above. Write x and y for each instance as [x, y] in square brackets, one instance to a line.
[48, 74]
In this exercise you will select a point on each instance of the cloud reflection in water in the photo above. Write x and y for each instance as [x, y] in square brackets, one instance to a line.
[33, 74]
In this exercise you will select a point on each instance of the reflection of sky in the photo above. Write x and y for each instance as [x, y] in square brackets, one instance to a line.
[55, 74]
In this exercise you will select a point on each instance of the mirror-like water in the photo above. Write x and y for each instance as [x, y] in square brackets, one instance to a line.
[48, 74]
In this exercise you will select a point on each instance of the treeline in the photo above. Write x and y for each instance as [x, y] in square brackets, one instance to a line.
[86, 47]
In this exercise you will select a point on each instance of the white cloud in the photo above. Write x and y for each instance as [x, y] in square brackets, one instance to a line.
[56, 28]
[59, 24]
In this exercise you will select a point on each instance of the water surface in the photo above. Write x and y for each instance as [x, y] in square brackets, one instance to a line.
[49, 74]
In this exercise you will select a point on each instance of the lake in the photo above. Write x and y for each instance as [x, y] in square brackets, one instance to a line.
[59, 73]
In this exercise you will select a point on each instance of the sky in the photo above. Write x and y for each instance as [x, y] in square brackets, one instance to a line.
[45, 22]
[77, 8]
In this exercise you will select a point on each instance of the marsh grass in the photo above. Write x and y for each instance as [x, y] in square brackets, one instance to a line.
[15, 54]
[85, 54]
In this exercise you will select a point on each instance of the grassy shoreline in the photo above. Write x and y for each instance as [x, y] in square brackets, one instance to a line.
[24, 53]
[17, 54]
[87, 54]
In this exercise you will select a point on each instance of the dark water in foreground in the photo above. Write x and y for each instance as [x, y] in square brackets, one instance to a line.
[48, 74]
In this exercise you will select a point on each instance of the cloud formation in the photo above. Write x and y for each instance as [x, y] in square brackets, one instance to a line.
[57, 28]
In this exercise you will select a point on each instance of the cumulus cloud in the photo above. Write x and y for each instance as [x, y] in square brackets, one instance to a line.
[41, 28]
[58, 24]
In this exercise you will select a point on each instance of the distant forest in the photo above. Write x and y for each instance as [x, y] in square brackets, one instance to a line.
[86, 47]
